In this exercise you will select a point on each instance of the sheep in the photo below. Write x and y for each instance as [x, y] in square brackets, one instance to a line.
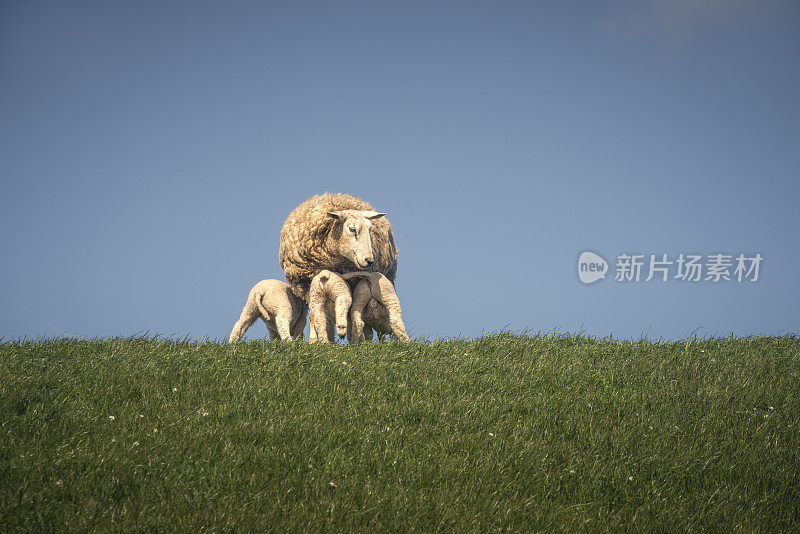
[335, 232]
[329, 302]
[374, 306]
[283, 312]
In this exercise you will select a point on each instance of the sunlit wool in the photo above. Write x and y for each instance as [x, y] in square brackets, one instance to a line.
[329, 302]
[375, 306]
[312, 240]
[273, 301]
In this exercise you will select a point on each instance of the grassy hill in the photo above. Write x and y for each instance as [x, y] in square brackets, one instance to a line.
[505, 432]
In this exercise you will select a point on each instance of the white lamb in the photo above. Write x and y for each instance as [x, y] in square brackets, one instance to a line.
[375, 306]
[283, 312]
[328, 305]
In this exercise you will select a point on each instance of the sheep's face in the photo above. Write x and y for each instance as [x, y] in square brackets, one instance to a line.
[352, 234]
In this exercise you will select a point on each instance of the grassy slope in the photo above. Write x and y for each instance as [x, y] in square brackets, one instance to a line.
[501, 432]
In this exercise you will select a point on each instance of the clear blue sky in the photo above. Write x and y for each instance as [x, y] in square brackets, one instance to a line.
[150, 151]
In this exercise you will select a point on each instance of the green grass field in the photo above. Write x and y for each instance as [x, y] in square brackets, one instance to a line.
[505, 432]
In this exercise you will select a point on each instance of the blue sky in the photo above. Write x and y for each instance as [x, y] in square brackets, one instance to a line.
[150, 151]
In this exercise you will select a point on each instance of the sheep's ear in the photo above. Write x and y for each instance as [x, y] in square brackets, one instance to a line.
[323, 278]
[372, 214]
[336, 215]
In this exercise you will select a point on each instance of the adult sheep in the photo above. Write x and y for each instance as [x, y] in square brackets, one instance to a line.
[335, 232]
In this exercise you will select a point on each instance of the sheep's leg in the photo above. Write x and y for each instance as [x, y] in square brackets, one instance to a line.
[273, 332]
[342, 310]
[282, 320]
[312, 332]
[356, 327]
[298, 326]
[388, 297]
[319, 324]
[394, 317]
[398, 328]
[249, 315]
[361, 296]
[330, 328]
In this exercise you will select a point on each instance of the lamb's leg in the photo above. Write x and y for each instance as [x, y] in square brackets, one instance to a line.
[299, 325]
[249, 315]
[398, 328]
[282, 320]
[361, 296]
[352, 328]
[273, 332]
[312, 332]
[355, 327]
[388, 297]
[316, 312]
[330, 329]
[343, 304]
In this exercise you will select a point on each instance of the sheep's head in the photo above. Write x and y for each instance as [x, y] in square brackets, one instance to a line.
[352, 235]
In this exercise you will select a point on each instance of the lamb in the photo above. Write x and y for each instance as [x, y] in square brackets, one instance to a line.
[374, 306]
[329, 302]
[283, 312]
[335, 232]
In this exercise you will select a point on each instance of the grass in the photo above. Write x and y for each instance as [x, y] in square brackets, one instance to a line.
[505, 432]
